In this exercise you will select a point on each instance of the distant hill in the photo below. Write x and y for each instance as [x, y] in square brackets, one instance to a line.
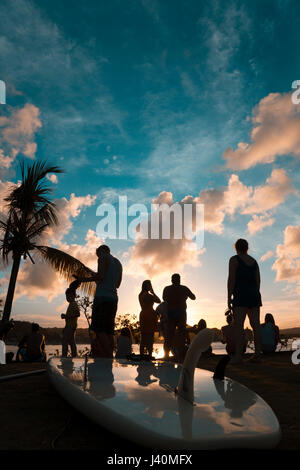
[291, 332]
[53, 335]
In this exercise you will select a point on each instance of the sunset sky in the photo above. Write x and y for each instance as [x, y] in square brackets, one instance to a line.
[171, 100]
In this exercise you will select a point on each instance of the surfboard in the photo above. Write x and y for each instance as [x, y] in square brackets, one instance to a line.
[137, 401]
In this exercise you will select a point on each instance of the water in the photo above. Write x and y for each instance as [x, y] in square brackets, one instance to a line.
[55, 349]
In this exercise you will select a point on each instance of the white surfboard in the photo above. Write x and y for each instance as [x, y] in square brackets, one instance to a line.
[137, 401]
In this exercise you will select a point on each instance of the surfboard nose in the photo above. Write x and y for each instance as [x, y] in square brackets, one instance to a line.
[200, 343]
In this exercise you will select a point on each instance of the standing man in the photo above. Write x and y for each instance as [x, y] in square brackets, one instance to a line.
[176, 295]
[244, 297]
[108, 280]
[70, 318]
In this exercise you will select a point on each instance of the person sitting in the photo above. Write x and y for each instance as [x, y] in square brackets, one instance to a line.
[195, 329]
[5, 328]
[270, 334]
[32, 346]
[124, 344]
[229, 334]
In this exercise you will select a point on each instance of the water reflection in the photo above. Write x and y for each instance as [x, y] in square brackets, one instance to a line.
[100, 379]
[144, 393]
[145, 370]
[233, 399]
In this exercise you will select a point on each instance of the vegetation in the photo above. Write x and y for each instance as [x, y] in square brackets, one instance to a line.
[29, 213]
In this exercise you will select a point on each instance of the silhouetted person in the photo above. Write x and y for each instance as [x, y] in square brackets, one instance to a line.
[270, 334]
[32, 346]
[195, 329]
[70, 318]
[244, 297]
[162, 314]
[148, 317]
[229, 336]
[108, 280]
[124, 344]
[176, 295]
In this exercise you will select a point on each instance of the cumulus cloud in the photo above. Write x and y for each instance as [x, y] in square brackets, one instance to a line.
[287, 264]
[238, 197]
[5, 161]
[259, 222]
[40, 279]
[67, 209]
[278, 186]
[221, 202]
[275, 132]
[157, 256]
[17, 133]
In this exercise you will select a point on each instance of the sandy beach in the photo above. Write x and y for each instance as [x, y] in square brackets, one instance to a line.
[35, 417]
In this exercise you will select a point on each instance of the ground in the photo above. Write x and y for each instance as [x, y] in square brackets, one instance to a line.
[34, 416]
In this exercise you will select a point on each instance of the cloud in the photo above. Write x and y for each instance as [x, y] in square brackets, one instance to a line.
[5, 187]
[275, 132]
[243, 199]
[32, 54]
[53, 178]
[5, 161]
[157, 256]
[278, 186]
[258, 223]
[40, 279]
[287, 264]
[67, 209]
[267, 255]
[17, 133]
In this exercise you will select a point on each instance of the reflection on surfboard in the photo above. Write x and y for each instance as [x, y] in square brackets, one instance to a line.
[137, 401]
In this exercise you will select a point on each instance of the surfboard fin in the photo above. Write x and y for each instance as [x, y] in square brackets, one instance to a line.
[221, 366]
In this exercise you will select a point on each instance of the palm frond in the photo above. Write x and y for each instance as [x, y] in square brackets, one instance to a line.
[67, 265]
[31, 195]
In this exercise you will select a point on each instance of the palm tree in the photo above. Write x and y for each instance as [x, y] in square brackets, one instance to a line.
[29, 213]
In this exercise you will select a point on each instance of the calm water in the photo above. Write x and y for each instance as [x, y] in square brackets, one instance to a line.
[55, 349]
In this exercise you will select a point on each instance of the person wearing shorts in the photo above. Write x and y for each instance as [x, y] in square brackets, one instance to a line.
[244, 297]
[108, 280]
[175, 296]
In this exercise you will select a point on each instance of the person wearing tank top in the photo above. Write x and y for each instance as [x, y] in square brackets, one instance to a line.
[244, 297]
[108, 279]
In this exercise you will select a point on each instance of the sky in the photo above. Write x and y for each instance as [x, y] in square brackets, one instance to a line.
[160, 101]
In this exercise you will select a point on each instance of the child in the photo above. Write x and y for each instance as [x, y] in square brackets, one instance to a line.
[70, 317]
[124, 343]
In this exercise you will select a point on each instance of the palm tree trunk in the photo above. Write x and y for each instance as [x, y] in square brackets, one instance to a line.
[11, 287]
